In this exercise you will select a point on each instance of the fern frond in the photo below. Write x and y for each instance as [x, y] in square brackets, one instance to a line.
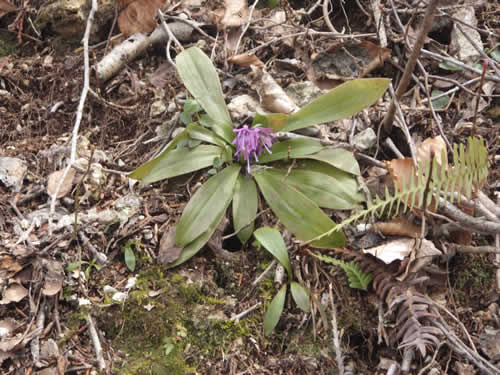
[468, 172]
[355, 275]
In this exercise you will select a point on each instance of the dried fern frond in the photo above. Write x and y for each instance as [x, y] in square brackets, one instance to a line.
[421, 187]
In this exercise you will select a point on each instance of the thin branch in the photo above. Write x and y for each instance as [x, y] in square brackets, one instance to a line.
[79, 111]
[410, 65]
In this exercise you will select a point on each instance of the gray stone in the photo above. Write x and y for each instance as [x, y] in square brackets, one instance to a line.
[12, 172]
[365, 140]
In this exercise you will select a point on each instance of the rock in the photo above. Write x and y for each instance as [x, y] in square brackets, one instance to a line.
[241, 107]
[68, 19]
[464, 50]
[365, 139]
[12, 172]
[303, 93]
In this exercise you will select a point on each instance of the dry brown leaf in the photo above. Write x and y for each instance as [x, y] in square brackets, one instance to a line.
[13, 293]
[54, 276]
[246, 60]
[6, 7]
[399, 227]
[272, 97]
[66, 185]
[432, 146]
[168, 252]
[138, 16]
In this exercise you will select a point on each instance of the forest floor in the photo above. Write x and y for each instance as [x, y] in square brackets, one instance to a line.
[98, 295]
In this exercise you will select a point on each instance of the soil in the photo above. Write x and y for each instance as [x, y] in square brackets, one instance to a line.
[178, 320]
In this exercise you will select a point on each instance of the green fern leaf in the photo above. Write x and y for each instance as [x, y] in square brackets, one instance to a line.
[355, 275]
[468, 173]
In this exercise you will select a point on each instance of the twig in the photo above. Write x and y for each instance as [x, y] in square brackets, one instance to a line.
[96, 342]
[245, 313]
[335, 330]
[171, 37]
[474, 249]
[326, 16]
[472, 223]
[263, 274]
[410, 65]
[476, 107]
[458, 63]
[247, 25]
[450, 91]
[311, 32]
[433, 112]
[479, 50]
[79, 111]
[379, 24]
[194, 25]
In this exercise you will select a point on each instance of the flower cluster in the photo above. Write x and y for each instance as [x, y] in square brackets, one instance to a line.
[252, 142]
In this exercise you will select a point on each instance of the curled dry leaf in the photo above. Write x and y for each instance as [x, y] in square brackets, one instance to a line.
[401, 248]
[54, 276]
[13, 293]
[168, 252]
[272, 97]
[432, 146]
[399, 227]
[245, 59]
[138, 16]
[67, 184]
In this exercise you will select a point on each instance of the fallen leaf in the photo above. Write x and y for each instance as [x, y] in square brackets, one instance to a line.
[399, 227]
[138, 16]
[432, 146]
[13, 293]
[245, 59]
[168, 252]
[272, 97]
[67, 184]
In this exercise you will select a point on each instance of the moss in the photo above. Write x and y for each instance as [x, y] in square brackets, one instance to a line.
[474, 276]
[7, 44]
[180, 317]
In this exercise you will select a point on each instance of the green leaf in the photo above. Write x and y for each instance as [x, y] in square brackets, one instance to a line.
[355, 275]
[337, 157]
[327, 186]
[291, 148]
[439, 103]
[200, 133]
[341, 102]
[171, 163]
[194, 247]
[245, 202]
[273, 242]
[129, 257]
[191, 107]
[206, 205]
[200, 77]
[274, 311]
[495, 54]
[73, 266]
[299, 214]
[147, 167]
[450, 66]
[300, 296]
[275, 121]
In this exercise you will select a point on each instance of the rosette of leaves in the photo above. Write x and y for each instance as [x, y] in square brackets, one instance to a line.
[321, 176]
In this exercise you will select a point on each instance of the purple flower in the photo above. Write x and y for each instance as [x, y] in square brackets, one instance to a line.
[252, 142]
